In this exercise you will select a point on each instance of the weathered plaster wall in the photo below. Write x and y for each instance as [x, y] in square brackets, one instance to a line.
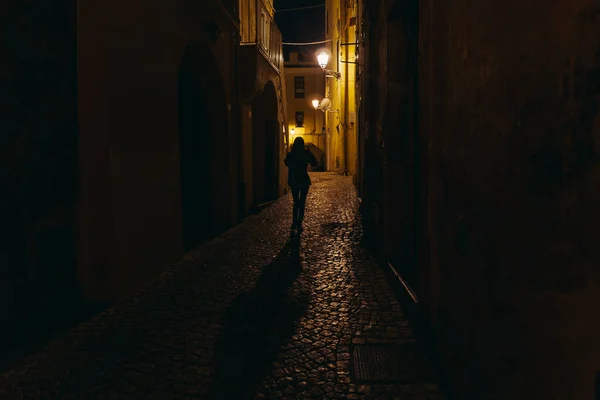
[513, 94]
[336, 157]
[129, 58]
[38, 160]
[247, 157]
[374, 91]
[493, 194]
[348, 68]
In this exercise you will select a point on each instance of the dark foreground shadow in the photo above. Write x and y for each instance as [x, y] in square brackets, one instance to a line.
[257, 325]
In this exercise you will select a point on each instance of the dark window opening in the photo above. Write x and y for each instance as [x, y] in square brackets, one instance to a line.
[299, 119]
[299, 87]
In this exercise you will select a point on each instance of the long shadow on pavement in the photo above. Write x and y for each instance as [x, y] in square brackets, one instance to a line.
[257, 324]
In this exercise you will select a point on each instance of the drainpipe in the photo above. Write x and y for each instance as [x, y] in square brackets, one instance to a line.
[237, 106]
[326, 121]
[346, 113]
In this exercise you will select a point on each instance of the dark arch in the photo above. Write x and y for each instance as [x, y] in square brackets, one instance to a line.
[265, 137]
[203, 147]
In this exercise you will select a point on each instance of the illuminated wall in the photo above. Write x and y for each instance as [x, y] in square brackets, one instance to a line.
[341, 120]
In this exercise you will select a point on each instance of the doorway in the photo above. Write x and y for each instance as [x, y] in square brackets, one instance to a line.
[203, 147]
[266, 145]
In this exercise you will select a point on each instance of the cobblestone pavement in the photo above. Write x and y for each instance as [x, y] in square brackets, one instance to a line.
[251, 314]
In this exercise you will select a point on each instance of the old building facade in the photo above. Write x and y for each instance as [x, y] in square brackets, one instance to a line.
[264, 128]
[132, 136]
[478, 170]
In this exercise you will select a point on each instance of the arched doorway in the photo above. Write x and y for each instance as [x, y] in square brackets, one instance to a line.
[203, 147]
[265, 143]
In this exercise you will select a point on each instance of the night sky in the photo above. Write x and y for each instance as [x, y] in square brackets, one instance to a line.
[302, 25]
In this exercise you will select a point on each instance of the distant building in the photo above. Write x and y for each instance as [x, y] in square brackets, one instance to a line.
[305, 83]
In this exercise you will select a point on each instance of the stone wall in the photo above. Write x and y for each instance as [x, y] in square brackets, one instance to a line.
[89, 166]
[129, 64]
[516, 169]
[38, 161]
[491, 193]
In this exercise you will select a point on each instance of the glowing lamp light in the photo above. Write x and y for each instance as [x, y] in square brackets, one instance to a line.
[315, 104]
[293, 131]
[323, 59]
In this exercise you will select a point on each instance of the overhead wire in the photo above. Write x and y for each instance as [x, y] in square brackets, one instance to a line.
[306, 43]
[299, 8]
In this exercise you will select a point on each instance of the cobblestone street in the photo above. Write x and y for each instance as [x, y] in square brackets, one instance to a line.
[251, 314]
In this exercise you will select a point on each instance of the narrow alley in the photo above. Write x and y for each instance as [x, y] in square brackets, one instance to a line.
[251, 314]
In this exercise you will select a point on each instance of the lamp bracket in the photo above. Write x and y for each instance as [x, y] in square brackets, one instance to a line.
[333, 74]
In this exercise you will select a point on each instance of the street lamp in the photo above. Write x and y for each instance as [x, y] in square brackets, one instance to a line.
[315, 104]
[323, 59]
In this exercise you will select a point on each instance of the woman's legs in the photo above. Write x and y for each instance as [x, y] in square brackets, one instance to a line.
[302, 193]
[296, 207]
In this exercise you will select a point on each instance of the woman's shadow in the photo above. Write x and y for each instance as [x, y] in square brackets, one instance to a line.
[257, 324]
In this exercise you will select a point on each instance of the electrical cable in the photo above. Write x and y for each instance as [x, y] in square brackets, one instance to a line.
[306, 43]
[299, 8]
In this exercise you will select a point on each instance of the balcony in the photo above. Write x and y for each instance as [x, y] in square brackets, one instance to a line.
[262, 53]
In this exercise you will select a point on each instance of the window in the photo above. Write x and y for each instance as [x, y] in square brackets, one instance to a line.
[299, 119]
[299, 87]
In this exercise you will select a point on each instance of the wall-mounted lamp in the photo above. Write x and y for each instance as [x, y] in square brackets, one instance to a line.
[323, 60]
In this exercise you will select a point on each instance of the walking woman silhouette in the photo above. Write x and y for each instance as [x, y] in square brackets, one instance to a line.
[297, 161]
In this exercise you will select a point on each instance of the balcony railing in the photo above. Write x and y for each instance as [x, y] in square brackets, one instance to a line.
[257, 27]
[274, 50]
